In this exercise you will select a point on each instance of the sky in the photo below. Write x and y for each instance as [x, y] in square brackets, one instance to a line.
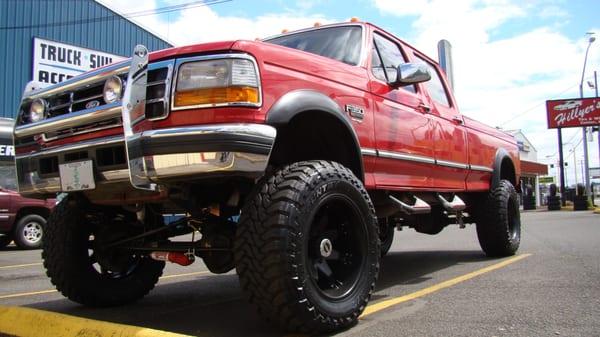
[510, 56]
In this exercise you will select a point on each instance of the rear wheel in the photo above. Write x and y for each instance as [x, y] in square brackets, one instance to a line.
[29, 231]
[307, 247]
[85, 272]
[499, 223]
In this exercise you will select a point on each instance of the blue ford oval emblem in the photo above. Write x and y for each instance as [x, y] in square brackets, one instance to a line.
[92, 104]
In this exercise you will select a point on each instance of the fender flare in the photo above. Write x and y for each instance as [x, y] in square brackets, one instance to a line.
[299, 101]
[501, 156]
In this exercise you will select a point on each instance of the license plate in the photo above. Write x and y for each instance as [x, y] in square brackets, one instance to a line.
[77, 176]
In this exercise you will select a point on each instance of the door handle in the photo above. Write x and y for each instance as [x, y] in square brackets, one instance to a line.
[458, 120]
[424, 107]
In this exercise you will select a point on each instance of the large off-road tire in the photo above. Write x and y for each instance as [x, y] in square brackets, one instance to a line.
[5, 240]
[307, 247]
[499, 223]
[29, 231]
[82, 271]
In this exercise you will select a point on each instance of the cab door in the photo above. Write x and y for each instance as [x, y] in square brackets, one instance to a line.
[403, 130]
[449, 132]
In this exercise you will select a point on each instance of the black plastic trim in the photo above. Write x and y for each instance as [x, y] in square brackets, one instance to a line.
[501, 155]
[305, 100]
[186, 143]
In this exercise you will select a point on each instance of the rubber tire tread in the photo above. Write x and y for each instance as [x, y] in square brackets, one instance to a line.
[267, 241]
[20, 241]
[493, 229]
[65, 256]
[387, 244]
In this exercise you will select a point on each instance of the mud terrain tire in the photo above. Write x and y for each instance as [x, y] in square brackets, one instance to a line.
[307, 247]
[69, 238]
[499, 223]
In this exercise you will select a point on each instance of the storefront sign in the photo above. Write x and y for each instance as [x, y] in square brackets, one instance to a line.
[55, 62]
[574, 112]
[546, 180]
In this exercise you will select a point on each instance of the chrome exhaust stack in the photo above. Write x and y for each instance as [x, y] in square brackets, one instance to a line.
[445, 59]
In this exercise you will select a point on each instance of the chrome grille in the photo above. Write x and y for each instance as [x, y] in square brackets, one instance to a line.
[76, 99]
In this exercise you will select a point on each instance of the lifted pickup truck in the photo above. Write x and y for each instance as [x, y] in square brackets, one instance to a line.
[295, 157]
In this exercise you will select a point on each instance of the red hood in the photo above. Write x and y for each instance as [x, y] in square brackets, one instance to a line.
[191, 49]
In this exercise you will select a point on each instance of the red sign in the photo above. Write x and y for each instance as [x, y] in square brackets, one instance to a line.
[573, 112]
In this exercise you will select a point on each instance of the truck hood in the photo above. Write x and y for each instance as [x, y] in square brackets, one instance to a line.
[191, 49]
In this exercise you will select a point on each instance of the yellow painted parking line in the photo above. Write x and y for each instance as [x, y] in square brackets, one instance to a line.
[29, 293]
[375, 307]
[41, 292]
[27, 322]
[21, 265]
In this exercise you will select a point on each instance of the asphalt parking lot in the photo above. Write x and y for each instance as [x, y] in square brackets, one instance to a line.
[429, 286]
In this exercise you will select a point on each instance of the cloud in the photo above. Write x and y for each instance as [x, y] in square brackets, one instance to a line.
[203, 24]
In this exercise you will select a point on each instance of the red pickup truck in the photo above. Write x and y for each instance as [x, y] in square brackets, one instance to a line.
[295, 157]
[22, 219]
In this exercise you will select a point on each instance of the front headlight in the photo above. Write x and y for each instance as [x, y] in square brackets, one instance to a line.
[113, 89]
[215, 82]
[37, 110]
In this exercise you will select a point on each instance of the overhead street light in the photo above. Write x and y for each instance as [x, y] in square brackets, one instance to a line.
[584, 129]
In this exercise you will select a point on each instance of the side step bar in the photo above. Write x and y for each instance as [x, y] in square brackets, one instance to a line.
[456, 205]
[419, 207]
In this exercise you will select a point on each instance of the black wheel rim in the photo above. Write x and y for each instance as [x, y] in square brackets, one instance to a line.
[336, 247]
[115, 264]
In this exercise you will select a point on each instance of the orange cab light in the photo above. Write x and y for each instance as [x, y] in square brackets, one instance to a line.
[283, 31]
[216, 96]
[354, 19]
[317, 24]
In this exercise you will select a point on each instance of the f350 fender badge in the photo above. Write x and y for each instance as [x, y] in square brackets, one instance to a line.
[355, 112]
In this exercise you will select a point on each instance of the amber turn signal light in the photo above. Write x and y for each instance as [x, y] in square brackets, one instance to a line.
[210, 96]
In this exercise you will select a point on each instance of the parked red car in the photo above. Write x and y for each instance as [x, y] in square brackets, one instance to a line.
[21, 219]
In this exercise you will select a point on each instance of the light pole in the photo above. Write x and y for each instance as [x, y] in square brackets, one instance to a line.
[585, 147]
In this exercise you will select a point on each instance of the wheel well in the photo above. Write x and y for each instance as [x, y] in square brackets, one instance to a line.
[507, 171]
[315, 135]
[41, 211]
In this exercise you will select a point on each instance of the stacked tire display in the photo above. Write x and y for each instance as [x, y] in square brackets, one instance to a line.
[580, 200]
[553, 199]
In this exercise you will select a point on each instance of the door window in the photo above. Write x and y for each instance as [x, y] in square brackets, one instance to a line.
[385, 59]
[435, 86]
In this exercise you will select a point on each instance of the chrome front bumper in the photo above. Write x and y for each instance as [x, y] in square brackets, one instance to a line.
[167, 155]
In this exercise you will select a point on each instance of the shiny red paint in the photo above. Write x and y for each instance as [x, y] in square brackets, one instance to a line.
[395, 119]
[12, 202]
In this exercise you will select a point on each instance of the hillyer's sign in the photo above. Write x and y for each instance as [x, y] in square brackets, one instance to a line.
[573, 112]
[55, 62]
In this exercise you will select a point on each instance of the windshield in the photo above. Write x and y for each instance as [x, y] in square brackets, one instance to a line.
[338, 43]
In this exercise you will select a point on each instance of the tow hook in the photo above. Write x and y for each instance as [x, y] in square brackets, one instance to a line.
[182, 259]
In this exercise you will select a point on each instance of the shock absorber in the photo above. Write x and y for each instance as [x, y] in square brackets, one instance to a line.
[182, 259]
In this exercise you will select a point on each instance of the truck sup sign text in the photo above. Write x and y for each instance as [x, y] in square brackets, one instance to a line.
[574, 112]
[54, 62]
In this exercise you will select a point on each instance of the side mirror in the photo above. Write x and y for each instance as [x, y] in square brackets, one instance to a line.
[411, 73]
